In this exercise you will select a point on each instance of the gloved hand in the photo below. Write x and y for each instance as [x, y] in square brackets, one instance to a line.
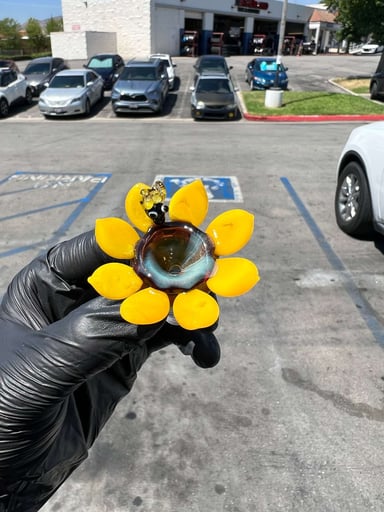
[66, 359]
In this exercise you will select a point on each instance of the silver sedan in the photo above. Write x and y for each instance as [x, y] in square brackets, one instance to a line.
[72, 92]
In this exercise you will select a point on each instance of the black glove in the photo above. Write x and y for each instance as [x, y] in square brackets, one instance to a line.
[66, 360]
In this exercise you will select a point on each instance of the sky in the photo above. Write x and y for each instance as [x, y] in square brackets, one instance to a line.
[22, 10]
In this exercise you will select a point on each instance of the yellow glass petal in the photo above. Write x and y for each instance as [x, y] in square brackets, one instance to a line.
[231, 231]
[233, 277]
[195, 309]
[115, 281]
[134, 209]
[189, 203]
[116, 237]
[147, 306]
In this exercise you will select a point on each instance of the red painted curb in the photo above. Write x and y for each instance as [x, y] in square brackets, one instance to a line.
[309, 119]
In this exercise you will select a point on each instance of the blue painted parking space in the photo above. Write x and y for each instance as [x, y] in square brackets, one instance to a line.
[34, 203]
[219, 188]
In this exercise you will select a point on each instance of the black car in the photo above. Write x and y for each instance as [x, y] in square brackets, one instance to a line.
[214, 97]
[41, 70]
[208, 64]
[376, 86]
[8, 63]
[108, 65]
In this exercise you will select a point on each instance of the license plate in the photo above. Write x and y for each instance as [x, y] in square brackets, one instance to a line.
[133, 107]
[58, 110]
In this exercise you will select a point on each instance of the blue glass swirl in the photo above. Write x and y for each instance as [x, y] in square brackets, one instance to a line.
[174, 256]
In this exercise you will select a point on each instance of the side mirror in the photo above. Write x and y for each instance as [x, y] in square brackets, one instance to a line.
[286, 69]
[90, 83]
[230, 67]
[236, 89]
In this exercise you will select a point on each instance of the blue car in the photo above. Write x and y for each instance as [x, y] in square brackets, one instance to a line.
[261, 72]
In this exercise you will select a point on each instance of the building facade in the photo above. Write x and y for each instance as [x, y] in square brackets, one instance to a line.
[178, 27]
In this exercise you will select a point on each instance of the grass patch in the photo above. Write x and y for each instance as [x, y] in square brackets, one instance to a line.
[356, 85]
[312, 103]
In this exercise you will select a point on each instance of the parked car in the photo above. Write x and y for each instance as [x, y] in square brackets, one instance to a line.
[214, 97]
[370, 48]
[208, 64]
[8, 63]
[13, 89]
[261, 73]
[108, 65]
[170, 65]
[376, 85]
[359, 197]
[141, 87]
[40, 71]
[71, 92]
[309, 47]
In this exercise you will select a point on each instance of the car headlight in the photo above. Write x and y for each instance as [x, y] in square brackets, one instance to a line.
[42, 101]
[115, 95]
[200, 104]
[77, 100]
[153, 95]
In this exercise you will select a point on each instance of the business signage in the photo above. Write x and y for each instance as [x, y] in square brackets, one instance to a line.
[252, 5]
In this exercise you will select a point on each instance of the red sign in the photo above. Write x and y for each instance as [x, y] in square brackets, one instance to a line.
[252, 4]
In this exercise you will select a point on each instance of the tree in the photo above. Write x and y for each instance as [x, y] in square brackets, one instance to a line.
[37, 38]
[54, 25]
[360, 19]
[9, 34]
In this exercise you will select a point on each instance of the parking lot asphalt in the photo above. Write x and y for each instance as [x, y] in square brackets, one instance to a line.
[306, 73]
[291, 419]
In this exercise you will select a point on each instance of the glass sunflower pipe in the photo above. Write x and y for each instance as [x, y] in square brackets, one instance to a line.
[174, 265]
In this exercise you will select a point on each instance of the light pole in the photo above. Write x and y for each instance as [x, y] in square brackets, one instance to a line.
[281, 40]
[274, 95]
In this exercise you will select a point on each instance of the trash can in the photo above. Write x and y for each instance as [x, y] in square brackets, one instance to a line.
[273, 98]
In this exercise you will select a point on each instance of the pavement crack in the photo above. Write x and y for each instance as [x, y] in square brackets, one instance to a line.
[356, 409]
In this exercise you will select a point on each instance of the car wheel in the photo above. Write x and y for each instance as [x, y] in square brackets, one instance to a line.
[250, 83]
[102, 94]
[353, 207]
[246, 78]
[374, 91]
[28, 96]
[4, 107]
[87, 107]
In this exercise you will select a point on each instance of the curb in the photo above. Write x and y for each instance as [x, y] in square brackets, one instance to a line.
[313, 119]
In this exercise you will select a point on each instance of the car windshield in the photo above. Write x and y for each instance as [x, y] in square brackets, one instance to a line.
[213, 85]
[213, 66]
[267, 66]
[37, 68]
[138, 73]
[100, 62]
[67, 82]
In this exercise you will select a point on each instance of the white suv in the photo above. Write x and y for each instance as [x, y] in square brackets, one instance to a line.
[13, 89]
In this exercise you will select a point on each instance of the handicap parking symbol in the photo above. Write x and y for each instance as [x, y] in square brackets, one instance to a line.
[219, 188]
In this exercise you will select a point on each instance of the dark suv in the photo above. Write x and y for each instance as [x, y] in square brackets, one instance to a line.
[40, 71]
[376, 86]
[141, 87]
